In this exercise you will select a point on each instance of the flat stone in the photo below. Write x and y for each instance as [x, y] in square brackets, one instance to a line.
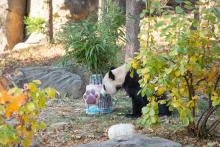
[23, 46]
[137, 140]
[36, 38]
[65, 82]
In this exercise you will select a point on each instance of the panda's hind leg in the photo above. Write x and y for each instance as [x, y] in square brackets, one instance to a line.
[137, 104]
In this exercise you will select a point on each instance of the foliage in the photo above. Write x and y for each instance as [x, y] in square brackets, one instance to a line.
[22, 106]
[186, 67]
[95, 43]
[35, 24]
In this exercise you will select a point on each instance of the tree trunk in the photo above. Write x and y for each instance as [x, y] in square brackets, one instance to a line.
[102, 8]
[14, 22]
[122, 5]
[133, 10]
[50, 21]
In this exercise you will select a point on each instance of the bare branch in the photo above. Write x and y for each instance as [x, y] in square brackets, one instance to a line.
[211, 110]
[204, 121]
[216, 83]
[200, 118]
[213, 126]
[201, 80]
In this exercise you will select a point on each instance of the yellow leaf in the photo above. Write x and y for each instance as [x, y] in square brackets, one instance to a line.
[177, 73]
[160, 91]
[38, 82]
[4, 96]
[31, 106]
[32, 87]
[15, 103]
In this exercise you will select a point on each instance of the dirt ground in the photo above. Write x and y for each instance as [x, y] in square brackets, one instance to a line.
[41, 55]
[67, 122]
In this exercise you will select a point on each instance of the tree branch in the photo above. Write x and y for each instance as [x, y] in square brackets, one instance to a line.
[204, 121]
[200, 118]
[213, 126]
[216, 83]
[211, 110]
[201, 80]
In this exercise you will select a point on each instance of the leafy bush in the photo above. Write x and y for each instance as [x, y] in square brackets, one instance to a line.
[186, 67]
[22, 106]
[34, 24]
[94, 43]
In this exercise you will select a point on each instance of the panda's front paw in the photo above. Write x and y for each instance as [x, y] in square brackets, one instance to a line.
[132, 116]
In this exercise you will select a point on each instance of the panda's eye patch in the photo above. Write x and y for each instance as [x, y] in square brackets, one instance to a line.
[104, 87]
[118, 87]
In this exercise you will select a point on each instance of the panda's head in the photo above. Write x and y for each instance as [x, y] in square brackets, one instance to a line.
[114, 80]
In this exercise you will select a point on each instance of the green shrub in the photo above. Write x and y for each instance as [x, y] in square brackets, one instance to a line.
[34, 24]
[92, 43]
[186, 67]
[23, 106]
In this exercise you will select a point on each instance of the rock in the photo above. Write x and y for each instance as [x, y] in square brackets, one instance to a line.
[38, 9]
[63, 10]
[135, 141]
[72, 10]
[118, 130]
[14, 22]
[58, 124]
[66, 83]
[3, 40]
[36, 38]
[3, 12]
[23, 46]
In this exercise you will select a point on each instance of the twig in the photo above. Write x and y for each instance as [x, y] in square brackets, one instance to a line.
[213, 126]
[208, 114]
[200, 118]
[216, 83]
[199, 81]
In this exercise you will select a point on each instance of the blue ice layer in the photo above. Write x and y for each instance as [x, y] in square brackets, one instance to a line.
[94, 109]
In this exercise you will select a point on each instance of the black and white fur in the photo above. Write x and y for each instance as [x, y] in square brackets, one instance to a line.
[119, 78]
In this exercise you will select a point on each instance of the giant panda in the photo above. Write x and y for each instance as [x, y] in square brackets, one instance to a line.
[119, 78]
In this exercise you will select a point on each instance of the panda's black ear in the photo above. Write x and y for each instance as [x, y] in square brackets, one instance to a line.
[112, 68]
[111, 75]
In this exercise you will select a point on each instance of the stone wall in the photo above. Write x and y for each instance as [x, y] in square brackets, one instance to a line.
[3, 12]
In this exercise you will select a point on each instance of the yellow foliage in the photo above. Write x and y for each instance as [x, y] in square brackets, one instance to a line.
[14, 102]
[24, 105]
[160, 91]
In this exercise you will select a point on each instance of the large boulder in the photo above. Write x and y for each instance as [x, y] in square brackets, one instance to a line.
[66, 83]
[34, 40]
[63, 10]
[72, 10]
[14, 22]
[135, 141]
[38, 8]
[3, 12]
